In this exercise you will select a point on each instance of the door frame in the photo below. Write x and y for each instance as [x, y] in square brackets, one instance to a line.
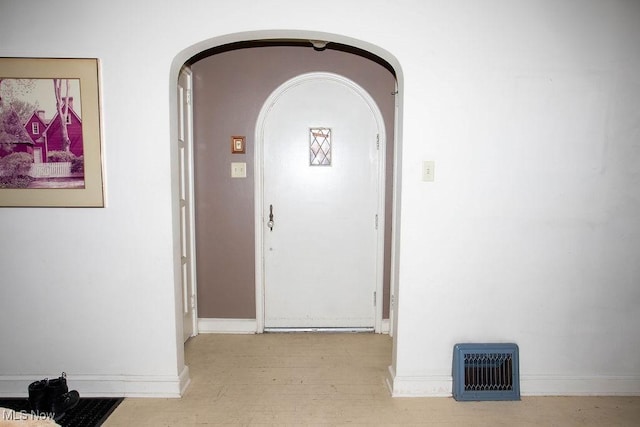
[259, 188]
[188, 233]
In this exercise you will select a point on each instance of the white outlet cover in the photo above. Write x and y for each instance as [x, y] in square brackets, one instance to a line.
[428, 169]
[238, 170]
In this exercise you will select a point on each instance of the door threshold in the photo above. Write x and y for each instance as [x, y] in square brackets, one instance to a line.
[320, 330]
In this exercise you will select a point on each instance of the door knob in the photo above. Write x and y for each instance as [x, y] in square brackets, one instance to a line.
[270, 223]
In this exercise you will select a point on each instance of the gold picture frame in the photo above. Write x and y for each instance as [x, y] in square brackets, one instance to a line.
[67, 169]
[238, 145]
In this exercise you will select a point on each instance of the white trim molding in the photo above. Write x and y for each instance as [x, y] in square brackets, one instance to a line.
[155, 386]
[419, 386]
[532, 385]
[227, 326]
[385, 326]
[557, 385]
[245, 326]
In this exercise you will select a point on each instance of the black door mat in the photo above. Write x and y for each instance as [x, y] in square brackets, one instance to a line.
[90, 411]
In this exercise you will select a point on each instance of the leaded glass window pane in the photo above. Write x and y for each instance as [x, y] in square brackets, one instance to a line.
[320, 147]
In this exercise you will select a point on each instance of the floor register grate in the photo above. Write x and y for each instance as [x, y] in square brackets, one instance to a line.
[486, 371]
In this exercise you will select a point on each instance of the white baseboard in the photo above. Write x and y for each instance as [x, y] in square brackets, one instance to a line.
[442, 385]
[385, 326]
[245, 326]
[184, 380]
[428, 386]
[538, 385]
[107, 385]
[391, 374]
[227, 326]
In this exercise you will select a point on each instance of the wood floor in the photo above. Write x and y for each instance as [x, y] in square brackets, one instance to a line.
[336, 379]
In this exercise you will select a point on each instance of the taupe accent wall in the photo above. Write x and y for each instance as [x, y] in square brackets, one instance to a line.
[229, 90]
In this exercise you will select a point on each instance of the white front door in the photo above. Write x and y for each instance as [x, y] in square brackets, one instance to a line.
[322, 192]
[37, 155]
[185, 165]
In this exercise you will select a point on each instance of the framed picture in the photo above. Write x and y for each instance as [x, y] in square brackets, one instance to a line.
[50, 136]
[238, 144]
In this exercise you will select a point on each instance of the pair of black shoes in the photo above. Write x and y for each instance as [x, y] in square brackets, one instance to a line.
[52, 397]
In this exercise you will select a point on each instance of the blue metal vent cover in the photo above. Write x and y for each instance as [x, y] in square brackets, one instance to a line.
[486, 371]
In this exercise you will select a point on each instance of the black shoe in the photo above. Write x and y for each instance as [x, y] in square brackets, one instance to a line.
[52, 396]
[64, 403]
[38, 396]
[56, 388]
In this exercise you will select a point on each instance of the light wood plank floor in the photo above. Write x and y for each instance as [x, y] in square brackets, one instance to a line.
[336, 379]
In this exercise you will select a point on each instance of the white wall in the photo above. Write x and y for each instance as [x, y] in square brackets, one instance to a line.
[530, 232]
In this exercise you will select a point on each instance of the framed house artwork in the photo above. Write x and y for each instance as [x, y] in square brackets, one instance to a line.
[238, 145]
[50, 136]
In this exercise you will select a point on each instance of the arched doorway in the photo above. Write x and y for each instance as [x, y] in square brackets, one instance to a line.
[368, 52]
[321, 267]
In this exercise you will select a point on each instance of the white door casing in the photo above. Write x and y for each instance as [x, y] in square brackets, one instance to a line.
[321, 266]
[187, 223]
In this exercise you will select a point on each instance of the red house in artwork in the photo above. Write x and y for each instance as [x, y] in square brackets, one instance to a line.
[35, 127]
[13, 135]
[47, 135]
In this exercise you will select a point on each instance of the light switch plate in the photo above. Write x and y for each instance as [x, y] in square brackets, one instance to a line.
[238, 170]
[428, 167]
